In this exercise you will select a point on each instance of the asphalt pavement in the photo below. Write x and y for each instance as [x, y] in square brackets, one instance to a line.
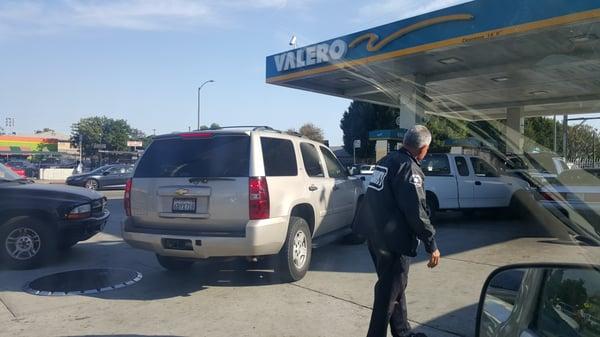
[232, 297]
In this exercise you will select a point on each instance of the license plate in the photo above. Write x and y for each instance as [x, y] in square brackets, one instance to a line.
[184, 205]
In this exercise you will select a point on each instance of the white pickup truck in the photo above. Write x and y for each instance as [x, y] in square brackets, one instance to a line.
[455, 181]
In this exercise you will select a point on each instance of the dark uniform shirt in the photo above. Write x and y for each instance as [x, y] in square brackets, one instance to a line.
[393, 215]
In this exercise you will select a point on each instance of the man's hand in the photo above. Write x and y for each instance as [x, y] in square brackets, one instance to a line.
[434, 260]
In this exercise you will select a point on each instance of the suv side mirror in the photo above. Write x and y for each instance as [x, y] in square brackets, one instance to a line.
[540, 300]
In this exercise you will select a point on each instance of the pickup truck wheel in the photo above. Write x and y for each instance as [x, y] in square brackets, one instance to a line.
[294, 257]
[432, 207]
[25, 242]
[173, 263]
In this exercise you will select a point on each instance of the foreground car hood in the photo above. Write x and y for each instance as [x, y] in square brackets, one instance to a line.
[48, 190]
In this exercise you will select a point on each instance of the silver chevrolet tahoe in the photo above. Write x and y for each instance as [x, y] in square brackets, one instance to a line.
[240, 191]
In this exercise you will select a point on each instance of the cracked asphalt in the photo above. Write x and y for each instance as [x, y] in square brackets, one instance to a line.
[232, 297]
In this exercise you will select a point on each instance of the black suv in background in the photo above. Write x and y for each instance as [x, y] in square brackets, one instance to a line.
[37, 220]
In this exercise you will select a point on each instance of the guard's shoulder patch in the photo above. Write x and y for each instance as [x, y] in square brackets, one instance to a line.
[416, 180]
[377, 181]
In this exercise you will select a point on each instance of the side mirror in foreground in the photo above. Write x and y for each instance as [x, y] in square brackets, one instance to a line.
[540, 300]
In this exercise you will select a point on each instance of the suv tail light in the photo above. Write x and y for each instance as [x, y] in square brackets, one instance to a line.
[259, 198]
[127, 197]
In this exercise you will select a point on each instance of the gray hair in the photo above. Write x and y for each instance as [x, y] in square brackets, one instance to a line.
[417, 137]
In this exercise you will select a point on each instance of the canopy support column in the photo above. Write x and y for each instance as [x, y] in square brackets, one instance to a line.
[515, 129]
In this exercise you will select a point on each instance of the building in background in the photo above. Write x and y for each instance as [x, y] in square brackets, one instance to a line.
[39, 144]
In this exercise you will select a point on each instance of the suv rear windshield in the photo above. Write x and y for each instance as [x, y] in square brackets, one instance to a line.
[219, 156]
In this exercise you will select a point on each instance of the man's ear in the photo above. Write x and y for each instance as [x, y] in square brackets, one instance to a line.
[423, 152]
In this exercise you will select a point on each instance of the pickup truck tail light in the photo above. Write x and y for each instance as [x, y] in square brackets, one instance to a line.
[258, 198]
[127, 197]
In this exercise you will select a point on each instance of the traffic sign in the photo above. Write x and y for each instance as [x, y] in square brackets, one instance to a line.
[357, 143]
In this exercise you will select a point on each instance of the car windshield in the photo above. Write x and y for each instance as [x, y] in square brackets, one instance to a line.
[297, 167]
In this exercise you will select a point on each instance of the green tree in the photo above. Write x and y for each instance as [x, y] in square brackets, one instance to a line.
[101, 130]
[312, 132]
[43, 130]
[359, 119]
[213, 126]
[442, 129]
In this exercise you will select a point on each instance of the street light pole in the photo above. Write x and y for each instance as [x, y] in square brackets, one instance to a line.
[200, 88]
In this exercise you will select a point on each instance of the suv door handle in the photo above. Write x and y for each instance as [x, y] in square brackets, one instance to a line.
[312, 188]
[478, 183]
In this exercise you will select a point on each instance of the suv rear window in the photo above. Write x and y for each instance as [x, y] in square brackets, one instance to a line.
[279, 157]
[219, 156]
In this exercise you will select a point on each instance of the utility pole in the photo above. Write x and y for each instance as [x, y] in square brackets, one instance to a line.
[565, 135]
[81, 148]
[554, 124]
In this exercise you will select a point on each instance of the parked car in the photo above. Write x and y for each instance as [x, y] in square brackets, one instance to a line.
[466, 182]
[536, 168]
[38, 219]
[251, 192]
[23, 168]
[108, 176]
[575, 199]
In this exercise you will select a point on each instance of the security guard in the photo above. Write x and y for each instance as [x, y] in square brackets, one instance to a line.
[393, 217]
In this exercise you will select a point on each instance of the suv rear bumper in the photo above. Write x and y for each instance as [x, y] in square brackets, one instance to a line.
[262, 237]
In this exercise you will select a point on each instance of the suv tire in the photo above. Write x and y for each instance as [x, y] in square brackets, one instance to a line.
[294, 257]
[26, 242]
[173, 263]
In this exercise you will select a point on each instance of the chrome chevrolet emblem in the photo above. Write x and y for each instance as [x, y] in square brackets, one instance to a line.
[182, 191]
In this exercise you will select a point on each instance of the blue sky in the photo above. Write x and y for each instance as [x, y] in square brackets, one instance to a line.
[142, 60]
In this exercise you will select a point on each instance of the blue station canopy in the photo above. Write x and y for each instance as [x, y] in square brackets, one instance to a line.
[469, 61]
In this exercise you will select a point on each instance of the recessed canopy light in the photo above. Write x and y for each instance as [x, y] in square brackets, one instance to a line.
[583, 38]
[345, 79]
[500, 79]
[450, 60]
[538, 92]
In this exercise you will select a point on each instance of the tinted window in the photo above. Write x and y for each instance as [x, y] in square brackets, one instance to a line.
[436, 165]
[311, 160]
[482, 168]
[117, 170]
[219, 156]
[334, 168]
[279, 157]
[461, 166]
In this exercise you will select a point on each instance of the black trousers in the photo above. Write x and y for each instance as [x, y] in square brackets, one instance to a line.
[389, 306]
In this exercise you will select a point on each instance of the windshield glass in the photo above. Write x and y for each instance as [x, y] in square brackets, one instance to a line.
[349, 168]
